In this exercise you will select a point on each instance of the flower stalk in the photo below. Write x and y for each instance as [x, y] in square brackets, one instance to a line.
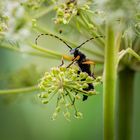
[125, 104]
[109, 84]
[19, 90]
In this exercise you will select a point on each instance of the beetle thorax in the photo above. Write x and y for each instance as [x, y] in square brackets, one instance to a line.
[78, 53]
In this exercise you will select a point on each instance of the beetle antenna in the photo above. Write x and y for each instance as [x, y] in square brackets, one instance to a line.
[36, 40]
[89, 40]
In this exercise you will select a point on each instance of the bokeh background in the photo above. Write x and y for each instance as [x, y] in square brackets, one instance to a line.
[23, 117]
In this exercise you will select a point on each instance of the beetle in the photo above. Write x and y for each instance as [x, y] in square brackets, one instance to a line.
[79, 57]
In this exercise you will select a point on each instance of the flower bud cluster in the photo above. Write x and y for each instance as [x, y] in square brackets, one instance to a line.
[65, 11]
[33, 4]
[68, 86]
[3, 23]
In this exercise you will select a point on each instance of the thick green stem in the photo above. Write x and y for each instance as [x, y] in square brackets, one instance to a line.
[109, 83]
[19, 90]
[124, 114]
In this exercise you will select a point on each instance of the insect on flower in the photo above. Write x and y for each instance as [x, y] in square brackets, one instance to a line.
[79, 58]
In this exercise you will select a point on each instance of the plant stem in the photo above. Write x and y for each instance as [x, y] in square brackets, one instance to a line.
[44, 50]
[7, 46]
[109, 83]
[19, 90]
[125, 104]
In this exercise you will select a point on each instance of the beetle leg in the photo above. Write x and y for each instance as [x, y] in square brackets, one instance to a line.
[62, 62]
[75, 59]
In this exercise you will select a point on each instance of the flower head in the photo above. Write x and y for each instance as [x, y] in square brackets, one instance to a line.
[68, 86]
[65, 11]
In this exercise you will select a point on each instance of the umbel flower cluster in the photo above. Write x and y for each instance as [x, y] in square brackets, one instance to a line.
[67, 85]
[65, 11]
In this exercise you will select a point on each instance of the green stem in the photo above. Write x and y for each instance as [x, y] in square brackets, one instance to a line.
[43, 12]
[109, 84]
[72, 101]
[19, 90]
[83, 92]
[44, 50]
[100, 41]
[7, 46]
[125, 104]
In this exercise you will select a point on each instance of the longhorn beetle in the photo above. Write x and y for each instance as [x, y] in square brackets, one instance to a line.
[79, 57]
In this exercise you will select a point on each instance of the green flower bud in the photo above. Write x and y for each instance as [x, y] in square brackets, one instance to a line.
[98, 79]
[55, 71]
[77, 85]
[60, 12]
[78, 115]
[50, 91]
[48, 78]
[58, 109]
[54, 116]
[5, 17]
[45, 101]
[39, 95]
[83, 75]
[74, 77]
[85, 85]
[55, 8]
[64, 21]
[63, 6]
[60, 91]
[77, 97]
[92, 92]
[63, 69]
[81, 89]
[86, 7]
[61, 74]
[67, 115]
[67, 15]
[41, 86]
[34, 22]
[90, 26]
[89, 79]
[62, 101]
[47, 73]
[68, 105]
[58, 20]
[71, 5]
[44, 96]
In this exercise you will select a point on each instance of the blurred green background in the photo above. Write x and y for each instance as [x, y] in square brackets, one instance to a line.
[22, 116]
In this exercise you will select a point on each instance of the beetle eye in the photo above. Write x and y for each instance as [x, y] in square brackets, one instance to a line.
[72, 51]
